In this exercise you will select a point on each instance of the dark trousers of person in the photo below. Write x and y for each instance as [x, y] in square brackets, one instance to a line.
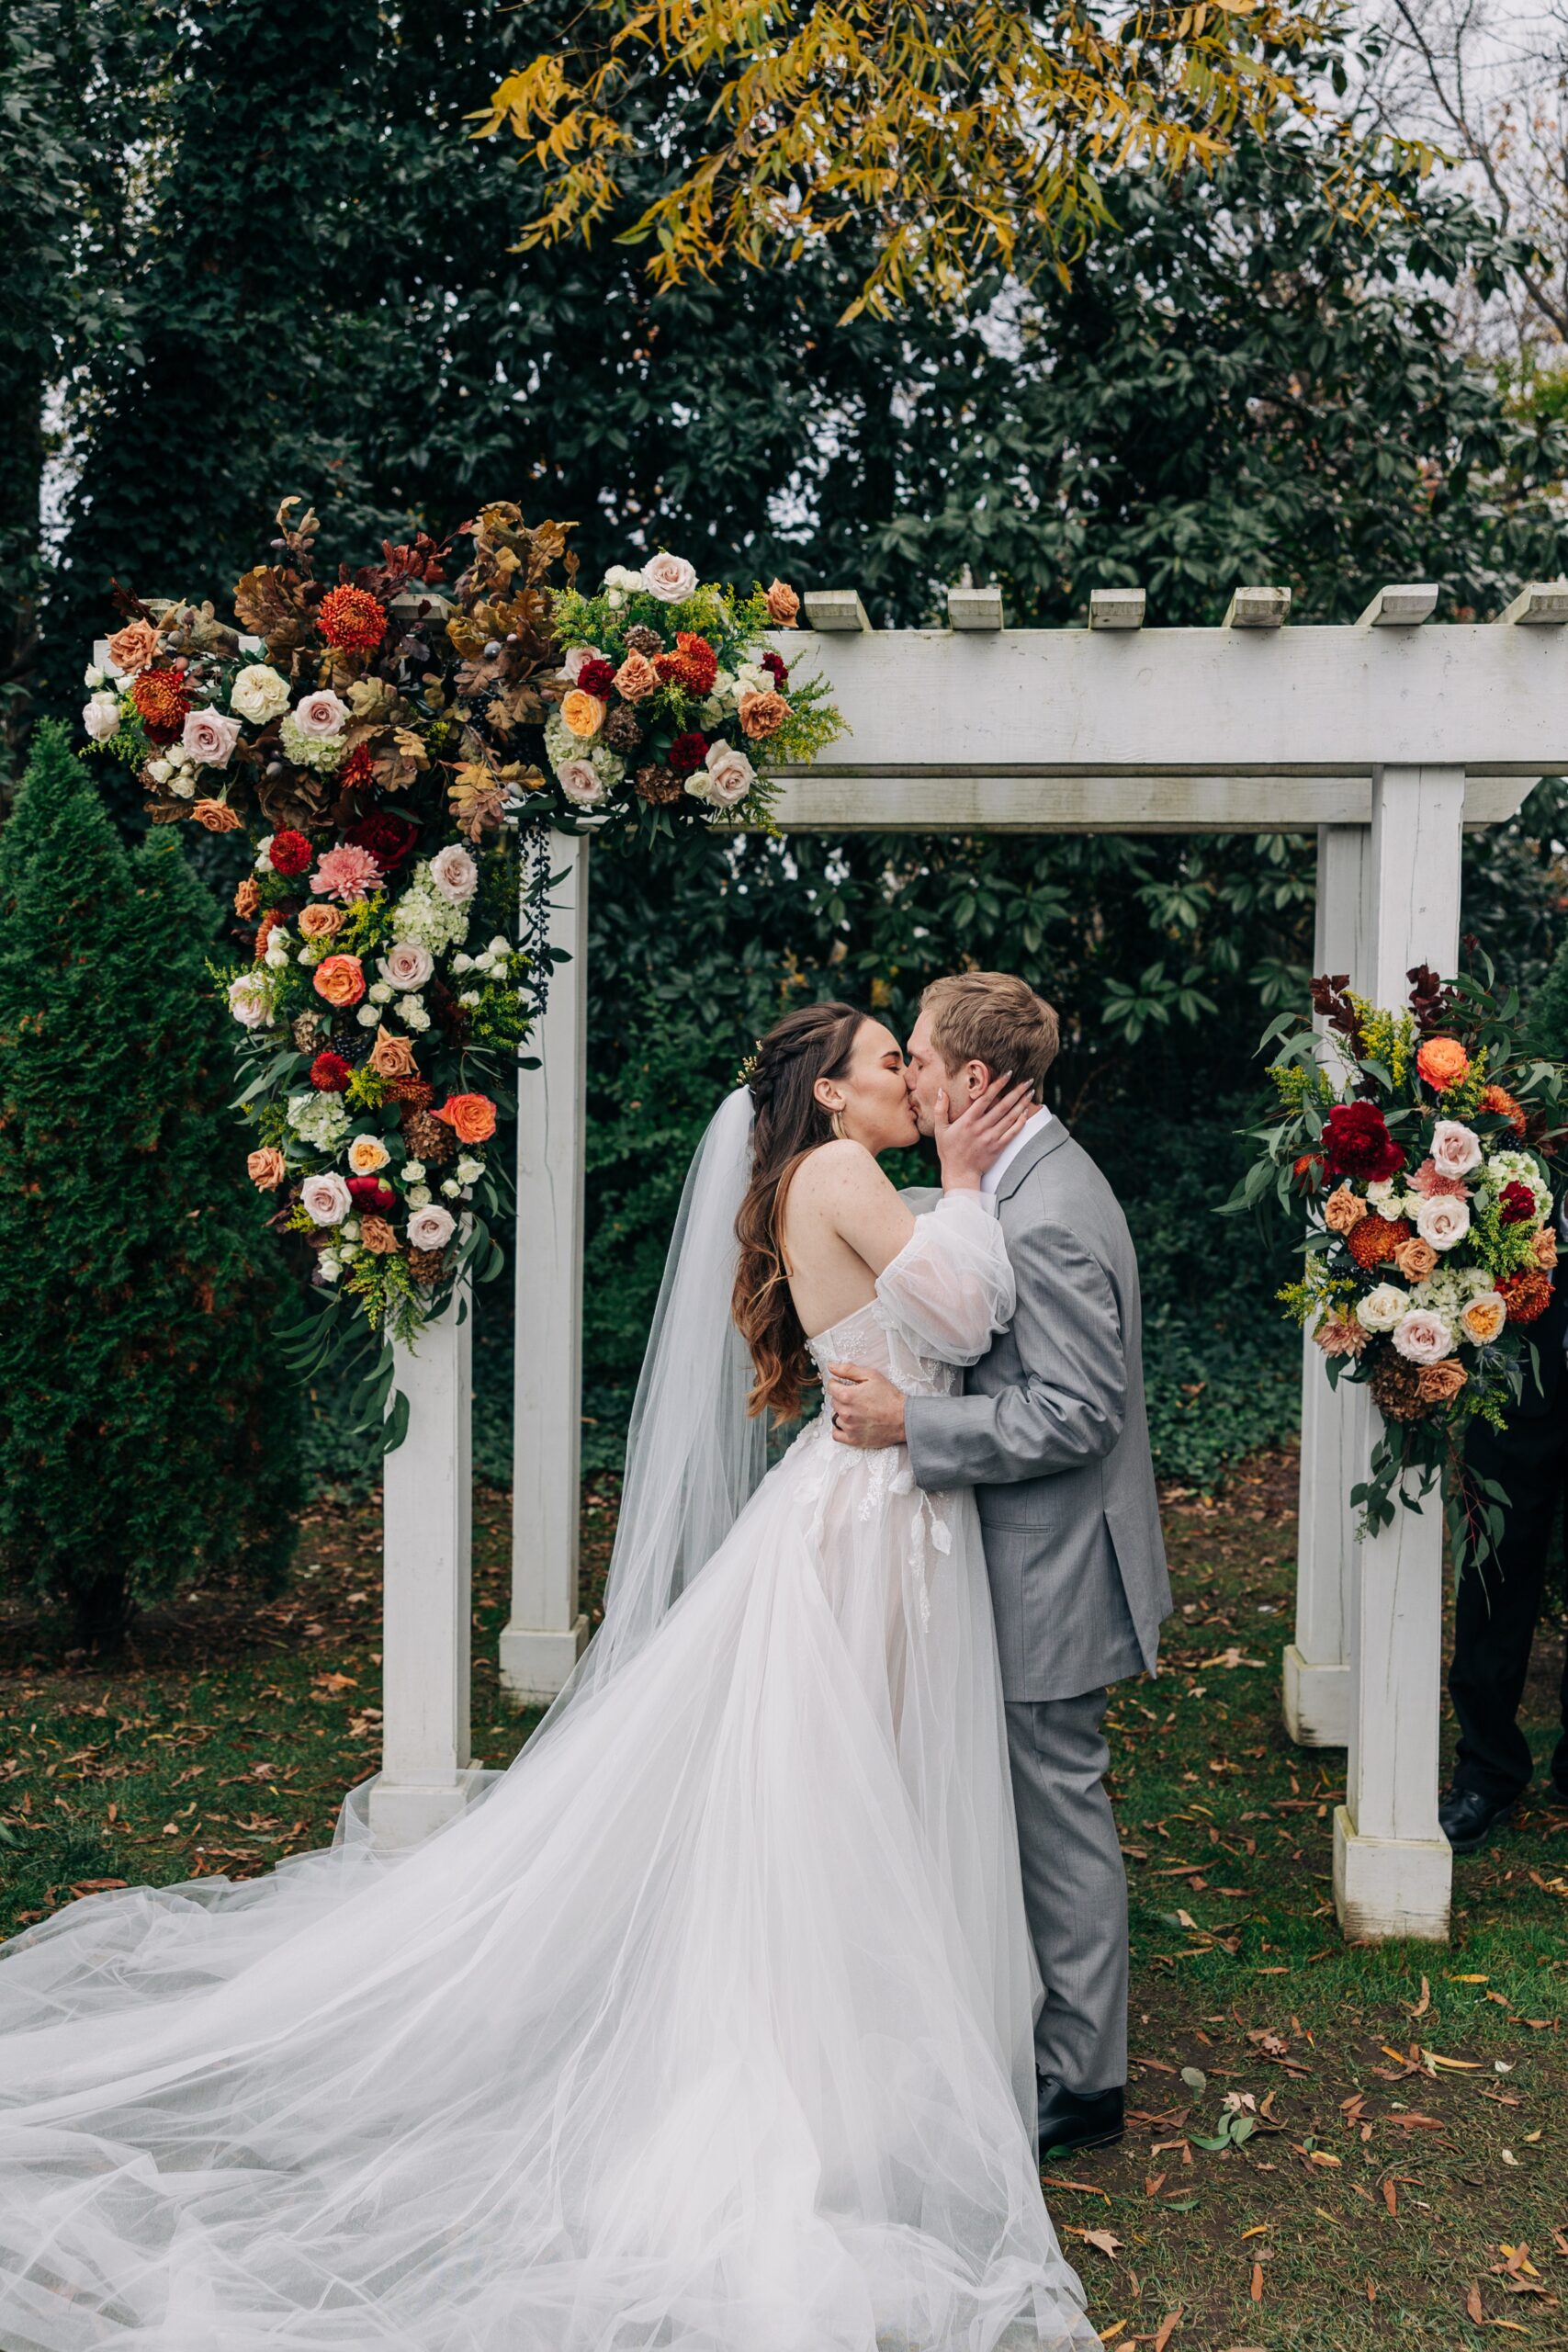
[1497, 1606]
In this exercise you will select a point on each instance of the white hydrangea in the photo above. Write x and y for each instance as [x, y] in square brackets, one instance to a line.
[325, 753]
[1449, 1290]
[320, 1120]
[423, 915]
[1503, 1168]
[562, 746]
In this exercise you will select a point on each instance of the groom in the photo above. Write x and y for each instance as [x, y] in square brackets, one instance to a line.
[1051, 1435]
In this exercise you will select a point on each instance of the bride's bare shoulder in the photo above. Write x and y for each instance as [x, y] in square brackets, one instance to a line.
[836, 1170]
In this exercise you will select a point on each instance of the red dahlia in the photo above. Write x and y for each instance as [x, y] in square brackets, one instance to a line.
[1358, 1144]
[357, 772]
[351, 619]
[688, 751]
[386, 836]
[330, 1074]
[597, 678]
[290, 851]
[1516, 1206]
[162, 702]
[776, 668]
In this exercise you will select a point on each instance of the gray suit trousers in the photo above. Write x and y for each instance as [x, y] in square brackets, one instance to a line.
[1075, 1888]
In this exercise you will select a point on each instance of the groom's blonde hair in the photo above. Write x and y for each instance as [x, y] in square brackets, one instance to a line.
[990, 1017]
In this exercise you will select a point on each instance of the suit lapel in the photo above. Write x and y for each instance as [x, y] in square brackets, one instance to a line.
[1049, 1139]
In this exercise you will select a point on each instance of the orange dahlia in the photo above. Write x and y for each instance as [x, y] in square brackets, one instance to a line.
[1504, 1105]
[1374, 1241]
[162, 702]
[694, 664]
[351, 619]
[1528, 1295]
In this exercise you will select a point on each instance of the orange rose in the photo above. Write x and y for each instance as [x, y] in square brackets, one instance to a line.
[340, 980]
[377, 1236]
[247, 898]
[1440, 1384]
[217, 815]
[762, 715]
[1342, 1209]
[320, 922]
[583, 714]
[390, 1056]
[471, 1117]
[267, 1169]
[636, 677]
[1545, 1246]
[783, 604]
[1443, 1062]
[133, 647]
[1504, 1105]
[1416, 1259]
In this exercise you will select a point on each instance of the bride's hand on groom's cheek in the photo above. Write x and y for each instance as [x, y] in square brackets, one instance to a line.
[865, 1407]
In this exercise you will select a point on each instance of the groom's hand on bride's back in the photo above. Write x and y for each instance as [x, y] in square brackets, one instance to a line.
[865, 1407]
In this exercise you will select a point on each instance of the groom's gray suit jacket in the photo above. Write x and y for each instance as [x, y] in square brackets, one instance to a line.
[1052, 1434]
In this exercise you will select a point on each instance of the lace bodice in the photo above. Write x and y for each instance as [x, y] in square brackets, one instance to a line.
[938, 1303]
[867, 1338]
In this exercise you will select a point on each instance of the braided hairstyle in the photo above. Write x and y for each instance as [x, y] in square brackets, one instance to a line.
[814, 1042]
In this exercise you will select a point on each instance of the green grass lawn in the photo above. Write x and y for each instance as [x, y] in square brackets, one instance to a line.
[1331, 2149]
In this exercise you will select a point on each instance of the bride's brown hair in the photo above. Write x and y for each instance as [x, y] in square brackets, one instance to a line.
[815, 1041]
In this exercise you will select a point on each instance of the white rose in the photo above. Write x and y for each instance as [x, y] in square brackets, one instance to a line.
[208, 736]
[578, 657]
[454, 874]
[1381, 1192]
[258, 694]
[321, 715]
[1456, 1148]
[1422, 1336]
[499, 946]
[351, 1230]
[753, 679]
[368, 1155]
[92, 676]
[276, 952]
[470, 997]
[670, 578]
[430, 1228]
[413, 1171]
[183, 784]
[412, 1013]
[731, 775]
[579, 779]
[101, 717]
[1382, 1308]
[382, 992]
[622, 576]
[329, 1266]
[160, 770]
[452, 1189]
[469, 1170]
[461, 963]
[348, 1250]
[406, 964]
[419, 1196]
[325, 1199]
[369, 1015]
[264, 855]
[1443, 1220]
[250, 1001]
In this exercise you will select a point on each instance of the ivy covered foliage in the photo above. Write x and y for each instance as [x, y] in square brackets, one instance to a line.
[148, 1436]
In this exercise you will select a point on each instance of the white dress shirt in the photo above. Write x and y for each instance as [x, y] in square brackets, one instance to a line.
[1004, 1159]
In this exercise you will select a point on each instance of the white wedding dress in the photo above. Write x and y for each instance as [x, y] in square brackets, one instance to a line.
[707, 2028]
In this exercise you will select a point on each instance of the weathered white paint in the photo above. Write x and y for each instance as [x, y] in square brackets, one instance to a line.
[547, 1630]
[427, 1507]
[1393, 1867]
[1093, 703]
[836, 608]
[1543, 604]
[1117, 607]
[975, 607]
[1336, 1428]
[1402, 607]
[1257, 608]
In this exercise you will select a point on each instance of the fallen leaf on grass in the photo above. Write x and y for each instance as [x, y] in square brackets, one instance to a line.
[1104, 2241]
[1256, 2289]
[1391, 2196]
[1166, 2329]
[1419, 2008]
[1472, 2304]
[1109, 2335]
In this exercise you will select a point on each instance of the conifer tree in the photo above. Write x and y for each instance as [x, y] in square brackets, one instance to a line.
[149, 1436]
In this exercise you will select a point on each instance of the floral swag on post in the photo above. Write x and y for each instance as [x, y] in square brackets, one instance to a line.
[397, 751]
[1420, 1142]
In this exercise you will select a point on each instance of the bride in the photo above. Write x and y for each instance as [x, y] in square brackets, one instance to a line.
[708, 2028]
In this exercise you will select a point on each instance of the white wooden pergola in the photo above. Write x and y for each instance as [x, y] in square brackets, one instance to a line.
[1385, 738]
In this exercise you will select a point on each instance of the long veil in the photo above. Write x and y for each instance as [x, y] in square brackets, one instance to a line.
[695, 1456]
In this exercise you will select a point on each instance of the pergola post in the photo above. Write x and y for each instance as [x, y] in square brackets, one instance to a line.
[1335, 1425]
[427, 1497]
[1393, 1866]
[547, 1631]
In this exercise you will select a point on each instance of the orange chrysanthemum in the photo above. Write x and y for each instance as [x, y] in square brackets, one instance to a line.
[1373, 1241]
[265, 930]
[694, 664]
[351, 619]
[1504, 1105]
[162, 703]
[1443, 1062]
[1528, 1295]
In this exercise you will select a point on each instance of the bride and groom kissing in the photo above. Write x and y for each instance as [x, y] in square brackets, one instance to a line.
[732, 2016]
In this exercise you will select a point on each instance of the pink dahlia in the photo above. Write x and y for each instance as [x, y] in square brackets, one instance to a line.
[1436, 1184]
[348, 873]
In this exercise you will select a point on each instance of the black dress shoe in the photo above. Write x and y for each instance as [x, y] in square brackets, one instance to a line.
[1070, 2120]
[1467, 1818]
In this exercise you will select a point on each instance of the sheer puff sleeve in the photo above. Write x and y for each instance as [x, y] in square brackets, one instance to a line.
[949, 1289]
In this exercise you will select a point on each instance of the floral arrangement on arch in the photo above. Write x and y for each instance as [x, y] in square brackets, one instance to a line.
[1419, 1142]
[381, 740]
